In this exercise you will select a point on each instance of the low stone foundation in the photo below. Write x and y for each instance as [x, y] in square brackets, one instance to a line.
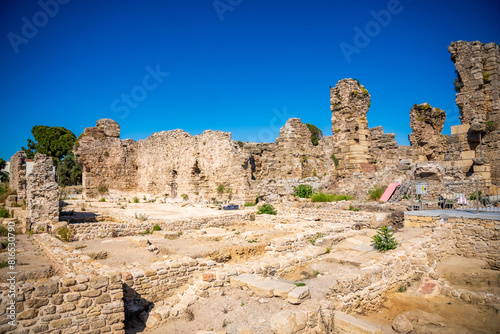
[473, 235]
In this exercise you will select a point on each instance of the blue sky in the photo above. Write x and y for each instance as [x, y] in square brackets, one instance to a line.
[243, 66]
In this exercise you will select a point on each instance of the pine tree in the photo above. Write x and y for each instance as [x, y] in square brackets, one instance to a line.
[384, 240]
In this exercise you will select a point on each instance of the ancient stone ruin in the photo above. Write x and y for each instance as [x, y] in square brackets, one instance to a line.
[155, 242]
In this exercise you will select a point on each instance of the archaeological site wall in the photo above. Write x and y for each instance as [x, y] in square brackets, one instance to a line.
[211, 166]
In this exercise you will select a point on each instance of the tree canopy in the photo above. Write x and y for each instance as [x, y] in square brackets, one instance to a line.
[53, 141]
[316, 133]
[4, 176]
[56, 142]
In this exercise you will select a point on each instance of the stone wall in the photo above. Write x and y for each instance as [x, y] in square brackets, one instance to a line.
[43, 191]
[426, 137]
[94, 230]
[17, 175]
[478, 67]
[471, 237]
[70, 304]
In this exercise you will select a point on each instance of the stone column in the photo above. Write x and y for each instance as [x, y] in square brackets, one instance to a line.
[17, 176]
[43, 192]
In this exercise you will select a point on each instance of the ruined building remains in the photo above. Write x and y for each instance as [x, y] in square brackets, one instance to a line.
[175, 164]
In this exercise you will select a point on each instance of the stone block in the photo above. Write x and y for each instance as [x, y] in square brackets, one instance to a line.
[243, 281]
[298, 295]
[468, 155]
[348, 324]
[288, 322]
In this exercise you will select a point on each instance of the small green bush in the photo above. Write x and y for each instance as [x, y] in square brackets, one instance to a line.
[102, 188]
[300, 284]
[377, 192]
[384, 239]
[106, 153]
[185, 197]
[4, 264]
[221, 188]
[64, 233]
[4, 213]
[473, 196]
[353, 208]
[303, 191]
[4, 231]
[103, 200]
[321, 197]
[267, 209]
[335, 160]
[156, 228]
[135, 200]
[240, 143]
[250, 204]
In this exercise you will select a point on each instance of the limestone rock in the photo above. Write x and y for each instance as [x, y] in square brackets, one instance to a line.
[43, 191]
[402, 325]
[297, 295]
[288, 322]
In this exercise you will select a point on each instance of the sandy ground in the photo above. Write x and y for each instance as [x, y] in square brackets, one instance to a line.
[32, 263]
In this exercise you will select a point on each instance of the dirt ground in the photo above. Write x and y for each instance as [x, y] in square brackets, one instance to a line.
[31, 261]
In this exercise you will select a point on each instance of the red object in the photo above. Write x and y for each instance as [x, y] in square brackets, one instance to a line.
[389, 191]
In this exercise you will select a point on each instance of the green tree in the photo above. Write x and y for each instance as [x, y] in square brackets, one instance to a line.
[69, 171]
[56, 142]
[316, 133]
[4, 176]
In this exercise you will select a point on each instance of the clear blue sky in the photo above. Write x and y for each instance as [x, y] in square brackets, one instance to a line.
[244, 67]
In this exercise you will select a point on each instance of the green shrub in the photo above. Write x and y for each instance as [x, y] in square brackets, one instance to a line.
[321, 197]
[64, 233]
[106, 153]
[267, 209]
[4, 264]
[335, 160]
[250, 204]
[472, 196]
[135, 200]
[102, 188]
[377, 192]
[3, 231]
[303, 191]
[156, 228]
[300, 284]
[103, 200]
[221, 188]
[240, 143]
[316, 133]
[185, 197]
[353, 208]
[384, 240]
[4, 213]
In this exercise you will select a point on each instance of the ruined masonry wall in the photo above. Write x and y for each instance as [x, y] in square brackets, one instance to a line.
[474, 238]
[91, 231]
[70, 304]
[17, 175]
[43, 191]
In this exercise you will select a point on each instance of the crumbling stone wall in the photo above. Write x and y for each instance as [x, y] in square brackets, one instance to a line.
[58, 305]
[427, 123]
[107, 162]
[210, 165]
[43, 191]
[478, 67]
[350, 102]
[17, 175]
